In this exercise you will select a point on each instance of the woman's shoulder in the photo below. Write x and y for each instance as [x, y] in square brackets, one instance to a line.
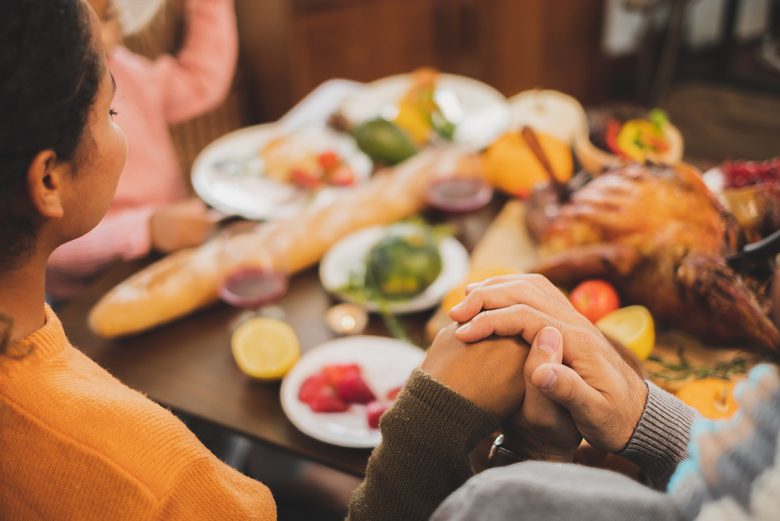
[68, 401]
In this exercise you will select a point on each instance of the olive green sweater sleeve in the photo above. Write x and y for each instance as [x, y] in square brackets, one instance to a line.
[427, 437]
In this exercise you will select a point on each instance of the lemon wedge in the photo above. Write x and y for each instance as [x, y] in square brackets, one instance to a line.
[633, 327]
[265, 348]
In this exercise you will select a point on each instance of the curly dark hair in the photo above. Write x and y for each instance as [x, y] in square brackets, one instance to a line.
[50, 71]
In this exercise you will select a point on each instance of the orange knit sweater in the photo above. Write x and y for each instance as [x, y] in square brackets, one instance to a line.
[75, 443]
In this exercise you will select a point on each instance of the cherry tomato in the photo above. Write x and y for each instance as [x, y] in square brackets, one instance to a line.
[306, 178]
[595, 299]
[328, 160]
[343, 176]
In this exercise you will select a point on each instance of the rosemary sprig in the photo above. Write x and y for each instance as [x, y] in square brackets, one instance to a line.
[683, 369]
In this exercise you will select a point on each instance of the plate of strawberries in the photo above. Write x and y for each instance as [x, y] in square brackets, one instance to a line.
[337, 392]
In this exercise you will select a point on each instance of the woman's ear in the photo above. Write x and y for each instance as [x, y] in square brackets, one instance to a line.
[45, 184]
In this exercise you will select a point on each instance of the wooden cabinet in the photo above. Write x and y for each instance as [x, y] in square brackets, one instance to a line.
[291, 46]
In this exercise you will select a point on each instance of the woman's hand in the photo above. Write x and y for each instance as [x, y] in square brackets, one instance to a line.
[488, 373]
[604, 396]
[542, 429]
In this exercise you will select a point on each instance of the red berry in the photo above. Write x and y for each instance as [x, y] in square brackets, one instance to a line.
[374, 412]
[748, 173]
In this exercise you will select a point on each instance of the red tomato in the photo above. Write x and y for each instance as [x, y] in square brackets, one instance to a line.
[305, 178]
[329, 160]
[344, 176]
[595, 299]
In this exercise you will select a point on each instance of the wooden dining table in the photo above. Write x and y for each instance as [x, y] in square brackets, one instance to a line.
[187, 365]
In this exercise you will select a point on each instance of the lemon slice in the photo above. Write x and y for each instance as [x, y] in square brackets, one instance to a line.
[265, 348]
[633, 327]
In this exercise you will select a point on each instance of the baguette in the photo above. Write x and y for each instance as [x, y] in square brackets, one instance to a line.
[186, 281]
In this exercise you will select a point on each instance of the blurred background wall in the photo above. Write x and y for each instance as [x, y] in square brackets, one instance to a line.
[700, 59]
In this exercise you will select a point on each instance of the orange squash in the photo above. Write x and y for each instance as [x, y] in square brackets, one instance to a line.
[511, 166]
[712, 397]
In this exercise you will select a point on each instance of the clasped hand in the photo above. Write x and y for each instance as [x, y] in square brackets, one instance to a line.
[570, 384]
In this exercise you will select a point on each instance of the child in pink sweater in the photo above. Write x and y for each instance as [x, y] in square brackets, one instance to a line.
[150, 209]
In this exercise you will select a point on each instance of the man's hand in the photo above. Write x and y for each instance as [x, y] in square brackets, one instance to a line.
[542, 429]
[604, 396]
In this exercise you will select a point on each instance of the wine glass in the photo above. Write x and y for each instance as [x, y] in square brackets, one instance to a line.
[458, 183]
[250, 276]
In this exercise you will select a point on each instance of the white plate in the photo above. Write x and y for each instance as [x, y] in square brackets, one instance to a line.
[347, 255]
[715, 180]
[386, 363]
[479, 112]
[228, 174]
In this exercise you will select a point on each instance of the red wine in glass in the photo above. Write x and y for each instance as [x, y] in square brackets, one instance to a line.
[253, 288]
[458, 195]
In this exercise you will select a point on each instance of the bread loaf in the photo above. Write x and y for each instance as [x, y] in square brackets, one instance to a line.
[187, 280]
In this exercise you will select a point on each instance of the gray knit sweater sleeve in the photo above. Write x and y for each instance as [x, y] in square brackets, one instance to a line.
[660, 440]
[542, 491]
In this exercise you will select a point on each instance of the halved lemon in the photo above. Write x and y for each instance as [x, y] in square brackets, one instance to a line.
[633, 327]
[265, 348]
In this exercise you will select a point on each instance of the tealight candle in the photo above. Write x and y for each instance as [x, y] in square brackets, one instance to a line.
[346, 319]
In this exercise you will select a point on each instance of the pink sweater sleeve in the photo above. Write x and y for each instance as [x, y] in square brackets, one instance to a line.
[199, 77]
[120, 235]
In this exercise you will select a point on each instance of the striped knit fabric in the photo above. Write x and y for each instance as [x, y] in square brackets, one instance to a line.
[733, 467]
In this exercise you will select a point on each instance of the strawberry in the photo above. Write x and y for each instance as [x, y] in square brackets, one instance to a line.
[353, 389]
[392, 394]
[374, 411]
[311, 387]
[326, 400]
[337, 372]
